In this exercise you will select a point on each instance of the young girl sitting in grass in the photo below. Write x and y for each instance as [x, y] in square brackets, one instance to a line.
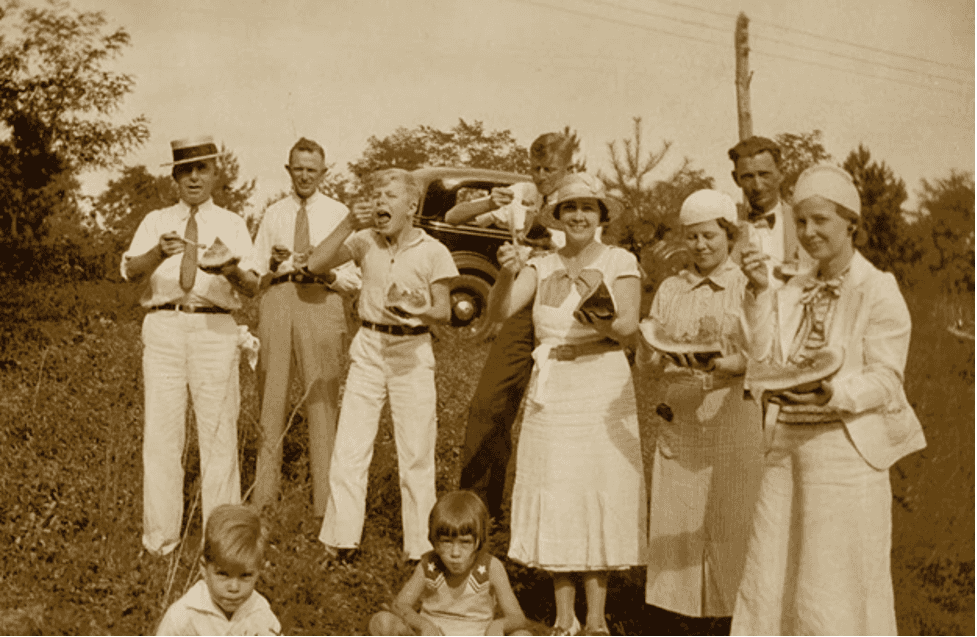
[459, 584]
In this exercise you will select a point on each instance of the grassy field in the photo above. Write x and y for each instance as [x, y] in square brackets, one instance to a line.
[70, 487]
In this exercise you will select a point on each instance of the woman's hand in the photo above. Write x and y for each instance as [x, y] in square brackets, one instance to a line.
[602, 325]
[511, 258]
[753, 264]
[727, 365]
[818, 396]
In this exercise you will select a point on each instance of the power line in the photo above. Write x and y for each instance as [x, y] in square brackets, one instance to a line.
[778, 41]
[819, 36]
[714, 43]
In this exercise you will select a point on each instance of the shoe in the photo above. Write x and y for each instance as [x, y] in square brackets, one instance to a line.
[596, 631]
[573, 630]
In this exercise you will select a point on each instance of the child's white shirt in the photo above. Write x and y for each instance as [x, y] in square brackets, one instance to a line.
[196, 614]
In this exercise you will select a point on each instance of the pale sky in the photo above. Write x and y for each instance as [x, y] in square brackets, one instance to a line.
[258, 74]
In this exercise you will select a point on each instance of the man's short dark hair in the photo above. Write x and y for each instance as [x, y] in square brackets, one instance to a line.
[754, 146]
[307, 146]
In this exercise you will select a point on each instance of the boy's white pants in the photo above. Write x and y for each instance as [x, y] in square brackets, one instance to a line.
[401, 367]
[199, 351]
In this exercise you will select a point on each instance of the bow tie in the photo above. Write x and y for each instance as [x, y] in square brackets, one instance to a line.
[814, 290]
[769, 219]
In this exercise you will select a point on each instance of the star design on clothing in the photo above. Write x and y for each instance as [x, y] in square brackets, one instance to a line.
[430, 566]
[481, 569]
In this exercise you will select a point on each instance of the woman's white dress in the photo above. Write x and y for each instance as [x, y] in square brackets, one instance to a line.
[579, 501]
[708, 459]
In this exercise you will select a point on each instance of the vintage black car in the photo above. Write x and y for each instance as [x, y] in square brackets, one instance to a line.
[472, 247]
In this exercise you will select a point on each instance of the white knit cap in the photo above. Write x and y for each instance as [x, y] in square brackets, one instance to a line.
[831, 183]
[706, 205]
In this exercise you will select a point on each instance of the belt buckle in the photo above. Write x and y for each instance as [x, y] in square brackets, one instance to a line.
[190, 308]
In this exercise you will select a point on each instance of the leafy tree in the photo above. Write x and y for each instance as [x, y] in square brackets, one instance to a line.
[948, 206]
[56, 104]
[892, 241]
[798, 152]
[464, 145]
[51, 65]
[226, 194]
[650, 205]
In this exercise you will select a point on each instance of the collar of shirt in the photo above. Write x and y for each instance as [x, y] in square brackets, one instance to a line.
[183, 208]
[720, 278]
[416, 237]
[309, 201]
[199, 599]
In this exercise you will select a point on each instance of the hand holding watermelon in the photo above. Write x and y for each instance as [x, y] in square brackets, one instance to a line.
[406, 302]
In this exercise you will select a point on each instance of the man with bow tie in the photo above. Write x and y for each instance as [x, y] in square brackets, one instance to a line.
[756, 170]
[189, 340]
[301, 320]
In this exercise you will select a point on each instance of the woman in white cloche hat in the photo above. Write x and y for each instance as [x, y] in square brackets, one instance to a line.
[578, 502]
[818, 558]
[707, 455]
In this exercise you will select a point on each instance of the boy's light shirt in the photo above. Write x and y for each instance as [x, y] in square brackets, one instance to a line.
[525, 197]
[196, 614]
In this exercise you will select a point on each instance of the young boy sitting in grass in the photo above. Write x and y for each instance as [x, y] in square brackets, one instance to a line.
[224, 602]
[459, 584]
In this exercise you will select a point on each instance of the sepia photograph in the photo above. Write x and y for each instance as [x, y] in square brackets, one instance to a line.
[487, 317]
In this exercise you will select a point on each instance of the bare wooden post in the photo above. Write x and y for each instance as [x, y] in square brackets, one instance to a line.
[743, 76]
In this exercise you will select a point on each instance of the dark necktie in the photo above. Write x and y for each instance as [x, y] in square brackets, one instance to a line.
[769, 219]
[188, 266]
[301, 243]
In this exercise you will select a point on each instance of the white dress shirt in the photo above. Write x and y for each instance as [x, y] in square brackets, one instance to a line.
[164, 282]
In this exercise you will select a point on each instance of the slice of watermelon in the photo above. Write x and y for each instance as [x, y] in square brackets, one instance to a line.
[599, 304]
[704, 346]
[405, 299]
[803, 375]
[215, 256]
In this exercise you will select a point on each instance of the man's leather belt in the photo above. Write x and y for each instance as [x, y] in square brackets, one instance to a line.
[190, 308]
[296, 277]
[396, 330]
[572, 352]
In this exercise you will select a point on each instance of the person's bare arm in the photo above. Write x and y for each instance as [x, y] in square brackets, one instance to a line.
[469, 210]
[512, 618]
[440, 310]
[408, 599]
[514, 288]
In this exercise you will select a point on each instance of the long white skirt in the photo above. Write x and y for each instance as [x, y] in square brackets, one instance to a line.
[578, 502]
[818, 558]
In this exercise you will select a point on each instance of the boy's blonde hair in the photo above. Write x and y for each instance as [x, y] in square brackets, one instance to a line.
[383, 177]
[459, 513]
[233, 537]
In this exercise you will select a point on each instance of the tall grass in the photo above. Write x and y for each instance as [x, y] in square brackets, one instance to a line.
[71, 495]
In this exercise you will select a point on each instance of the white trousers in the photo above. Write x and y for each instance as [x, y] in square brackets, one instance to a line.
[401, 367]
[198, 351]
[818, 556]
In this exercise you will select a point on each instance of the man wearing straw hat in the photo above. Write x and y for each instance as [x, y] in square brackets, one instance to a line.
[189, 340]
[301, 321]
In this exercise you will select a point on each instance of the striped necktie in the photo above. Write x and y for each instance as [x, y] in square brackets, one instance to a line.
[188, 266]
[301, 244]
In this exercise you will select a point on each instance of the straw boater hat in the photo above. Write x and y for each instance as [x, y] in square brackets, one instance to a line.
[706, 205]
[829, 182]
[193, 149]
[579, 186]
